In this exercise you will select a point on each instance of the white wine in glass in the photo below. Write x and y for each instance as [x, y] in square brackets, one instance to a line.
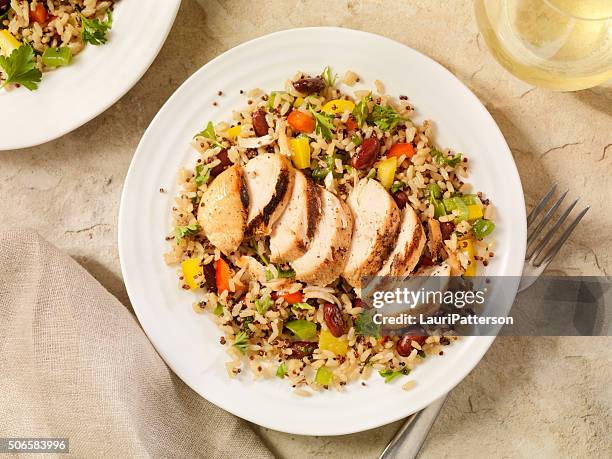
[564, 45]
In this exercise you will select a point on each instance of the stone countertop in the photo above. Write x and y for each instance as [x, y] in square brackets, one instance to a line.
[529, 396]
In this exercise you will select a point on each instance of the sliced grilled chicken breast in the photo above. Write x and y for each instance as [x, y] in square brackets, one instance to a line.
[377, 220]
[408, 247]
[269, 179]
[223, 210]
[292, 233]
[326, 256]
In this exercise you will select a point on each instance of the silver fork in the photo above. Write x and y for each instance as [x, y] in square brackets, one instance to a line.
[540, 251]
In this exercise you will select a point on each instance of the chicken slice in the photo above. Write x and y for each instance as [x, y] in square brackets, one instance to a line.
[269, 179]
[377, 220]
[292, 233]
[223, 210]
[408, 247]
[328, 251]
[435, 243]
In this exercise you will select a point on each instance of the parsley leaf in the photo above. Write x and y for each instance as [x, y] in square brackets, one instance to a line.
[282, 274]
[202, 174]
[324, 125]
[454, 160]
[327, 76]
[361, 110]
[209, 133]
[365, 325]
[281, 371]
[20, 68]
[386, 118]
[241, 342]
[182, 231]
[94, 31]
[263, 304]
[390, 375]
[439, 157]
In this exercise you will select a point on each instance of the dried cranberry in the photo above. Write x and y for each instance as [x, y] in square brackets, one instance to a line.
[333, 319]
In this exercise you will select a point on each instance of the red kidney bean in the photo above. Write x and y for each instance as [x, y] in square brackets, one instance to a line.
[301, 349]
[404, 345]
[446, 228]
[367, 154]
[260, 125]
[309, 86]
[401, 199]
[357, 303]
[333, 319]
[224, 164]
[210, 277]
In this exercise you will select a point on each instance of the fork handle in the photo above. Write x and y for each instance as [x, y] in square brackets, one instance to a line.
[408, 440]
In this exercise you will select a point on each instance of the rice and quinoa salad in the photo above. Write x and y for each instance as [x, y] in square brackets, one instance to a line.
[40, 35]
[281, 327]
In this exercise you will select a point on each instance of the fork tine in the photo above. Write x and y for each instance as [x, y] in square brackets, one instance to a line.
[535, 252]
[537, 209]
[559, 243]
[546, 218]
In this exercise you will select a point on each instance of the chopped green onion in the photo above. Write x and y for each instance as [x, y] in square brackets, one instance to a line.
[202, 174]
[439, 209]
[281, 371]
[302, 307]
[356, 140]
[457, 204]
[303, 329]
[218, 310]
[397, 185]
[57, 57]
[482, 228]
[273, 97]
[371, 174]
[433, 189]
[319, 173]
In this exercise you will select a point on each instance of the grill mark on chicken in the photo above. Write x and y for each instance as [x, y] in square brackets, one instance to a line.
[314, 208]
[259, 224]
[399, 262]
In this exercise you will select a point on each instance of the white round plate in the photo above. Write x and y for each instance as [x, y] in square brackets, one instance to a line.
[188, 342]
[98, 77]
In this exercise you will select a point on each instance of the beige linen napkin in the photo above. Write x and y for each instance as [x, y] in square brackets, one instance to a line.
[75, 363]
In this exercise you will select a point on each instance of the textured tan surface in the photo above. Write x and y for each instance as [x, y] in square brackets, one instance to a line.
[75, 364]
[528, 397]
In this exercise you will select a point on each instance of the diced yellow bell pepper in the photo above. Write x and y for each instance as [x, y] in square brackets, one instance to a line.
[233, 132]
[467, 247]
[337, 106]
[300, 151]
[329, 342]
[386, 171]
[8, 43]
[192, 269]
[298, 101]
[474, 212]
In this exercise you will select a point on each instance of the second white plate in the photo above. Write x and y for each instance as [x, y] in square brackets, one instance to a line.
[97, 78]
[189, 343]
